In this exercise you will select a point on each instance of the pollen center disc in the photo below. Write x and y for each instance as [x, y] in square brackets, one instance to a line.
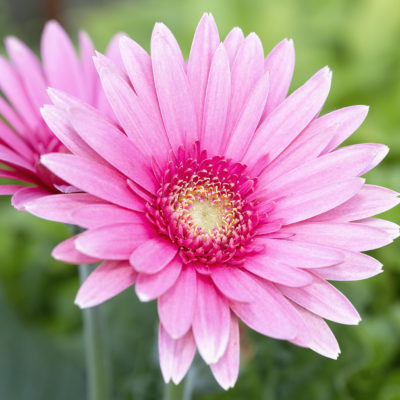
[206, 215]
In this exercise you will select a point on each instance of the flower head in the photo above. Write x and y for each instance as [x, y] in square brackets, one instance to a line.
[218, 196]
[24, 136]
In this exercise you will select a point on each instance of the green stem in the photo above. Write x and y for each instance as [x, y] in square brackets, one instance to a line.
[184, 390]
[97, 360]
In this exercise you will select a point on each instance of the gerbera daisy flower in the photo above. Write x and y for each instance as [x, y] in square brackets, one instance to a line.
[218, 196]
[23, 81]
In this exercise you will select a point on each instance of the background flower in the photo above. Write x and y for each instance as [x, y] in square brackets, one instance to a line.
[218, 196]
[24, 80]
[41, 325]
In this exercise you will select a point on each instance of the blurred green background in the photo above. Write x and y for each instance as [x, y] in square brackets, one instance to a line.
[41, 348]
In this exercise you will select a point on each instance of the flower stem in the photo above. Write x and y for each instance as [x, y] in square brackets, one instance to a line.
[183, 391]
[97, 360]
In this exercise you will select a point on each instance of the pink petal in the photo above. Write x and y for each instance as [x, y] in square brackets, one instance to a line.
[246, 124]
[280, 64]
[300, 206]
[389, 228]
[58, 207]
[301, 254]
[67, 252]
[216, 103]
[94, 178]
[287, 120]
[59, 122]
[176, 306]
[12, 87]
[228, 280]
[113, 242]
[150, 286]
[247, 69]
[14, 141]
[226, 369]
[9, 189]
[349, 118]
[356, 266]
[60, 61]
[27, 194]
[324, 300]
[153, 255]
[350, 236]
[29, 69]
[138, 67]
[11, 116]
[233, 41]
[275, 271]
[211, 322]
[176, 355]
[145, 134]
[9, 156]
[323, 340]
[106, 281]
[113, 146]
[270, 314]
[347, 162]
[95, 215]
[369, 201]
[87, 52]
[204, 45]
[173, 90]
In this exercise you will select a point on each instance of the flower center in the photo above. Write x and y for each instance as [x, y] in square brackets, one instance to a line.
[201, 206]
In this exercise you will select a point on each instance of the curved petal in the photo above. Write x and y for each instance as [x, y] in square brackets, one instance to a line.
[106, 281]
[67, 252]
[176, 306]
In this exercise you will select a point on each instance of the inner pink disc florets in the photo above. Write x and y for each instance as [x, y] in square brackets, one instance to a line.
[201, 206]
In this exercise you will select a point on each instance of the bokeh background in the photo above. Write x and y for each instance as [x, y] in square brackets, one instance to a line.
[41, 348]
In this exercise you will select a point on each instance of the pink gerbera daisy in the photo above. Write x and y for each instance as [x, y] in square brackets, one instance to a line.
[220, 197]
[23, 80]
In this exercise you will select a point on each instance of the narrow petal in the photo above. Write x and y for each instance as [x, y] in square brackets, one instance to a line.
[278, 272]
[145, 134]
[226, 369]
[280, 64]
[59, 207]
[113, 242]
[113, 146]
[96, 215]
[176, 355]
[151, 286]
[59, 122]
[246, 124]
[26, 195]
[270, 314]
[233, 41]
[67, 252]
[287, 120]
[12, 87]
[356, 266]
[347, 162]
[323, 340]
[106, 281]
[15, 142]
[153, 255]
[176, 306]
[29, 70]
[299, 207]
[324, 300]
[87, 52]
[228, 280]
[94, 178]
[9, 189]
[173, 91]
[301, 254]
[9, 156]
[211, 322]
[369, 201]
[216, 103]
[60, 61]
[350, 236]
[246, 71]
[204, 45]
